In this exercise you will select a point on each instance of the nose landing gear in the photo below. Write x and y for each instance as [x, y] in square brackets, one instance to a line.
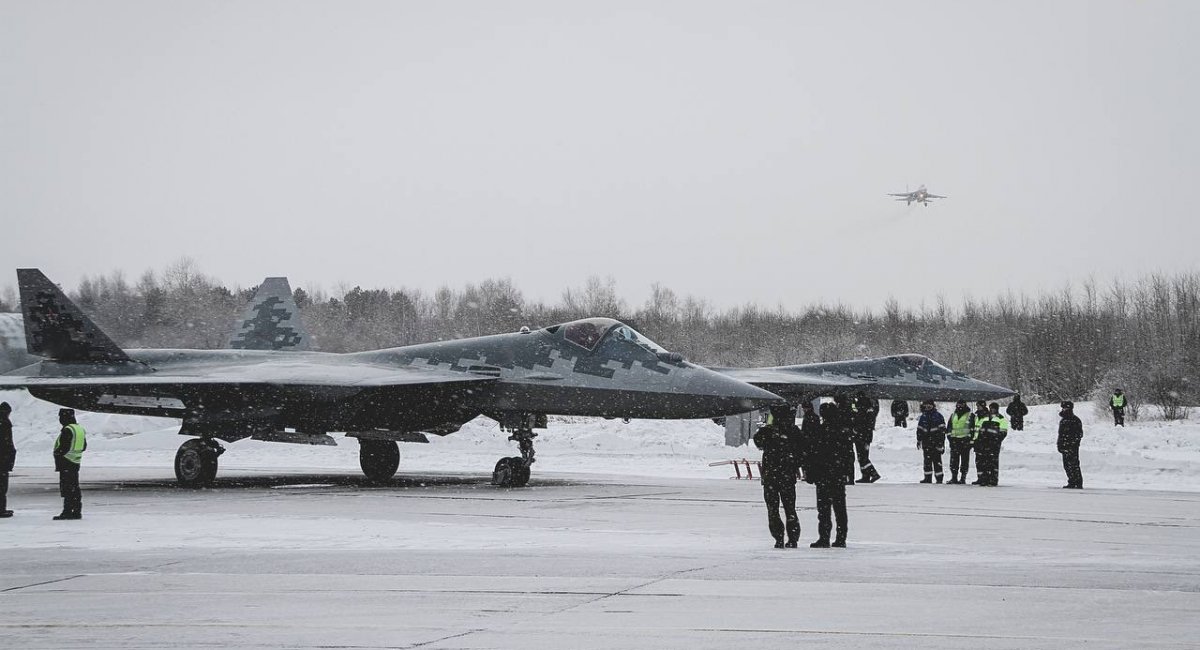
[196, 462]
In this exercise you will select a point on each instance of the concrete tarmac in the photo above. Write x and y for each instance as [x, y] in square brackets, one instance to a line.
[311, 559]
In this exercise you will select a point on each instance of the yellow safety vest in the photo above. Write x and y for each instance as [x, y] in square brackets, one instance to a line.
[78, 444]
[960, 427]
[1118, 401]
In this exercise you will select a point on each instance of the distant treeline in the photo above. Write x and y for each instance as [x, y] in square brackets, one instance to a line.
[1076, 343]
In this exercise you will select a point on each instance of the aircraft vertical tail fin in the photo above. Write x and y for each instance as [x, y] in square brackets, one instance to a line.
[271, 320]
[56, 328]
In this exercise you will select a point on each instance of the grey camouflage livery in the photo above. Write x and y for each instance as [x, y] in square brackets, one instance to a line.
[266, 389]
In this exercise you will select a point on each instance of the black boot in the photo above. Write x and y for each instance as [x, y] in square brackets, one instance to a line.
[820, 543]
[928, 480]
[839, 543]
[790, 544]
[5, 514]
[779, 543]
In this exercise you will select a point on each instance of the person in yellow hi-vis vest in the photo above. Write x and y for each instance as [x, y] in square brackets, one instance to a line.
[1118, 402]
[68, 454]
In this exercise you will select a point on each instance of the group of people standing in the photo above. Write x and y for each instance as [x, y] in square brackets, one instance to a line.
[984, 431]
[822, 451]
[68, 455]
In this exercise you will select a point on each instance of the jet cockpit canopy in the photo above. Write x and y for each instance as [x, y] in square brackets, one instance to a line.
[588, 333]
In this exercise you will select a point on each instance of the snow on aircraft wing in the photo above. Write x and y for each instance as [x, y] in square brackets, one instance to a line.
[776, 380]
[265, 374]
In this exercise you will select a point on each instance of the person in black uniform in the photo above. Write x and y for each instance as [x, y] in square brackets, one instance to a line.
[841, 418]
[1070, 433]
[8, 456]
[68, 453]
[931, 440]
[900, 412]
[778, 440]
[866, 410]
[989, 436]
[1017, 410]
[826, 452]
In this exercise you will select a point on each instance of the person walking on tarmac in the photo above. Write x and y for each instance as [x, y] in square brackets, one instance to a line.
[825, 455]
[931, 440]
[68, 454]
[1117, 402]
[900, 412]
[1017, 410]
[990, 432]
[8, 456]
[962, 430]
[866, 411]
[1070, 433]
[778, 440]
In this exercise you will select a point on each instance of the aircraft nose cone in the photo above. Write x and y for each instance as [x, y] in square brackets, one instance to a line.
[991, 391]
[731, 396]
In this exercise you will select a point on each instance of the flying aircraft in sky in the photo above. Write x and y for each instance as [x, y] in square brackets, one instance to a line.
[920, 195]
[267, 387]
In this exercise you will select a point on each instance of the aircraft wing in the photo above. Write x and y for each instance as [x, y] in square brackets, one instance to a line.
[279, 375]
[792, 384]
[934, 196]
[906, 194]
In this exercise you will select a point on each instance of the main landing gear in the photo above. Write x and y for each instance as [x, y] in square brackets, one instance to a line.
[196, 462]
[379, 459]
[513, 471]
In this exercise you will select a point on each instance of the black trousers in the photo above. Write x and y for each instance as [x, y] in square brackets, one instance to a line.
[68, 487]
[1018, 423]
[863, 449]
[987, 461]
[960, 457]
[1071, 467]
[1118, 416]
[933, 461]
[831, 495]
[901, 421]
[3, 491]
[781, 494]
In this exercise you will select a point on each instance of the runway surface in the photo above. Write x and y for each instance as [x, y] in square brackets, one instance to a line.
[312, 559]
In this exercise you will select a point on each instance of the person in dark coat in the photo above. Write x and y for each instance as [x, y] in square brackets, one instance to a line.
[841, 418]
[865, 412]
[1017, 410]
[8, 456]
[826, 452]
[900, 412]
[1070, 433]
[931, 440]
[778, 440]
[990, 433]
[68, 454]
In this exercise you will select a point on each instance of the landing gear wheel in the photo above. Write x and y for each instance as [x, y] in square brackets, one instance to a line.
[379, 459]
[196, 463]
[511, 472]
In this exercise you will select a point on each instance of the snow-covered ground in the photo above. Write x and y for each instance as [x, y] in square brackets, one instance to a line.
[1149, 454]
[650, 548]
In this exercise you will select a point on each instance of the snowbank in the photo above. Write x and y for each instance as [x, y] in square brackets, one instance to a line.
[1148, 454]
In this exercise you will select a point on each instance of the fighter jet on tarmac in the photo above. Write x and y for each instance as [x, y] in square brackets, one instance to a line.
[267, 388]
[921, 195]
[903, 376]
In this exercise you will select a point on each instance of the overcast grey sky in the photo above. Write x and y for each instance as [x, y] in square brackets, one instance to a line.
[736, 150]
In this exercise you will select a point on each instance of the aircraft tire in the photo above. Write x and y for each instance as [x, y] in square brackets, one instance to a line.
[508, 472]
[521, 473]
[195, 464]
[379, 459]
